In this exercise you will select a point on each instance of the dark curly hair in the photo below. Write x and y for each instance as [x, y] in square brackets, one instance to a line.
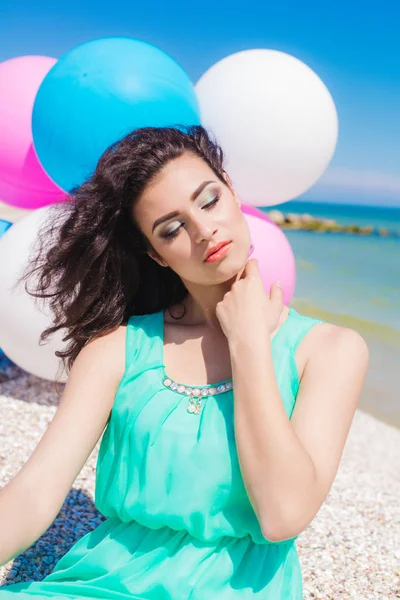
[92, 259]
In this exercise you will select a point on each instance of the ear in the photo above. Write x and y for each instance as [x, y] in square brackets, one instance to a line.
[227, 179]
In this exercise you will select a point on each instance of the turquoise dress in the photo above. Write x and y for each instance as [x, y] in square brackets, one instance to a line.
[179, 524]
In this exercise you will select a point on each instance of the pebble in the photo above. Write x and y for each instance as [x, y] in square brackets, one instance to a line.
[351, 549]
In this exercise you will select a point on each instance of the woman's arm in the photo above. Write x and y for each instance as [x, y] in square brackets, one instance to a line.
[289, 465]
[30, 502]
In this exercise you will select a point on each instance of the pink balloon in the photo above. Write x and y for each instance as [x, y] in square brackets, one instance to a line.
[23, 181]
[273, 253]
[256, 212]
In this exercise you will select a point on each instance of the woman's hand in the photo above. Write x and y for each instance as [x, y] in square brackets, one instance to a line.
[246, 312]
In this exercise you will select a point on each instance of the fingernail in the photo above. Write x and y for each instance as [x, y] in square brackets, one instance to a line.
[279, 283]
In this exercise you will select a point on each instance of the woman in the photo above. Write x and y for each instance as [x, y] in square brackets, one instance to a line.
[224, 412]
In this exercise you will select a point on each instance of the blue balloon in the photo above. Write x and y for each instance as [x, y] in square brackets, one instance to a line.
[99, 92]
[4, 225]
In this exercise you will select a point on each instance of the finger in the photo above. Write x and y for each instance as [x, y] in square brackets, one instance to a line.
[248, 269]
[240, 274]
[251, 267]
[276, 292]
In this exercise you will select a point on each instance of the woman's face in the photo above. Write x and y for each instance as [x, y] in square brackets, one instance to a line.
[185, 211]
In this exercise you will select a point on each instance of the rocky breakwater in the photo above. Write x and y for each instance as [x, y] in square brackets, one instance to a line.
[308, 222]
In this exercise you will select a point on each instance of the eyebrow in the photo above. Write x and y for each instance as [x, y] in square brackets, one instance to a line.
[175, 213]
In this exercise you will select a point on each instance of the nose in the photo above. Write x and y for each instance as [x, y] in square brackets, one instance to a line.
[204, 228]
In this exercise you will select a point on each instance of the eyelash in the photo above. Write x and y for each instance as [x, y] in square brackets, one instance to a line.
[170, 236]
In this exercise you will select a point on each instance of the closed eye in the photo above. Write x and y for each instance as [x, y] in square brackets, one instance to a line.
[208, 206]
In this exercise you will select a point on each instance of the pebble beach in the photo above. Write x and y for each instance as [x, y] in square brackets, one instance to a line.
[350, 550]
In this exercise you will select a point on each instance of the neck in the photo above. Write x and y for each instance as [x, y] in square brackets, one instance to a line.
[201, 303]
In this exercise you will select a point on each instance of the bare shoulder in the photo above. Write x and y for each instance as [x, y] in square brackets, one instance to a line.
[96, 373]
[329, 342]
[108, 350]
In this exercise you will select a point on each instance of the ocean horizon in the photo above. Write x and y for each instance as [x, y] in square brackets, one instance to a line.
[345, 214]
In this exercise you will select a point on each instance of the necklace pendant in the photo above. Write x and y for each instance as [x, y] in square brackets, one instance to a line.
[194, 406]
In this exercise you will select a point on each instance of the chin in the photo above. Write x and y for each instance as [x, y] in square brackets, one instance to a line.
[232, 271]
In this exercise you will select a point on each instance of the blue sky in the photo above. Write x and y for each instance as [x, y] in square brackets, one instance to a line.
[353, 46]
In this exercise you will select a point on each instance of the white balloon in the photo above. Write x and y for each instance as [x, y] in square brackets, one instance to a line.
[23, 317]
[275, 120]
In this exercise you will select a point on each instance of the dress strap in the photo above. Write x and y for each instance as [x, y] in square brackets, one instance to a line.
[141, 349]
[132, 340]
[299, 327]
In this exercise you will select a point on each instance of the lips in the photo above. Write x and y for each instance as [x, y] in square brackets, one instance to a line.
[215, 248]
